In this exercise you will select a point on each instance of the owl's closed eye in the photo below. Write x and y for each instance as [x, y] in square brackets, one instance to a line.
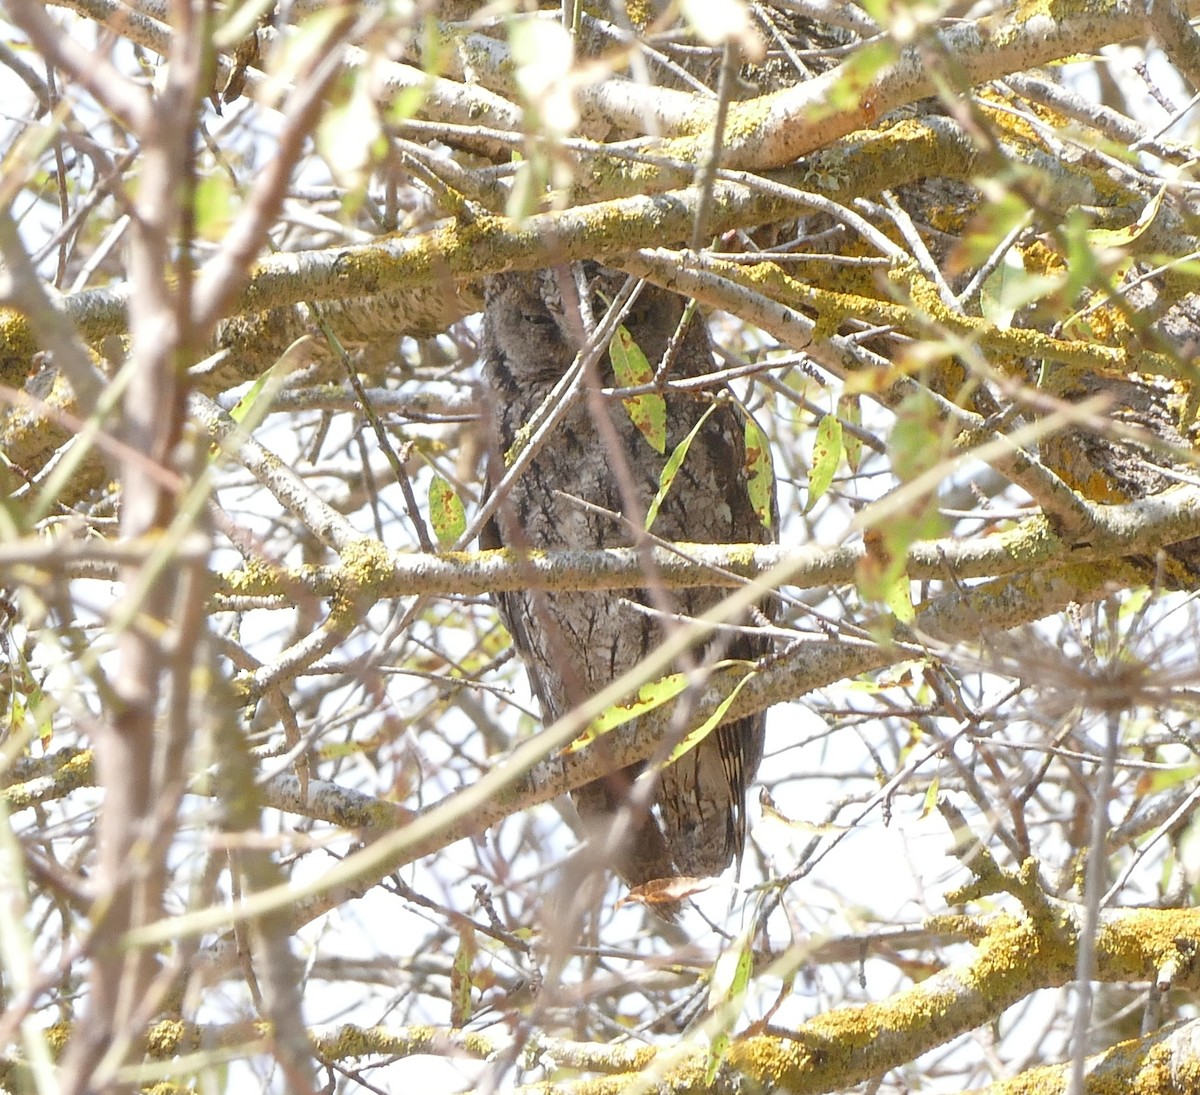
[519, 325]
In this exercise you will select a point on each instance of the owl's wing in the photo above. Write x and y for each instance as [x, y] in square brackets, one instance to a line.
[630, 840]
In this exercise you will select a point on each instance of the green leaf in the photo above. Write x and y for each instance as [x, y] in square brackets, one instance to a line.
[1166, 779]
[898, 598]
[994, 220]
[1082, 264]
[716, 21]
[407, 103]
[695, 737]
[529, 186]
[917, 442]
[727, 987]
[760, 476]
[849, 410]
[717, 1048]
[645, 699]
[252, 408]
[855, 77]
[213, 204]
[350, 136]
[731, 973]
[826, 457]
[631, 369]
[242, 407]
[237, 21]
[671, 467]
[1009, 288]
[446, 512]
[996, 295]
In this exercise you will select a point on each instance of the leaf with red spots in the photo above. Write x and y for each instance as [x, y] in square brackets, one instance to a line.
[827, 456]
[446, 512]
[647, 412]
[760, 476]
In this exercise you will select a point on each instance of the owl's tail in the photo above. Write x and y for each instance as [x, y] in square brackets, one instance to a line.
[625, 834]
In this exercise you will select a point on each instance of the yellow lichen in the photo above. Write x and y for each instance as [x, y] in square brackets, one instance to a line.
[76, 770]
[258, 578]
[167, 1038]
[640, 13]
[366, 563]
[366, 568]
[17, 346]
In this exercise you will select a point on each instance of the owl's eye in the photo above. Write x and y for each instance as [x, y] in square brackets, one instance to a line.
[540, 319]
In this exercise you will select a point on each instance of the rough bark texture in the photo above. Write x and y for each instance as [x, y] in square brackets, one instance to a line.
[1120, 469]
[574, 644]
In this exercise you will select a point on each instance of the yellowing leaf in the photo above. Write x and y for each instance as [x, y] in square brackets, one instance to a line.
[1122, 237]
[771, 813]
[931, 796]
[446, 512]
[827, 456]
[695, 737]
[850, 411]
[898, 598]
[760, 476]
[647, 698]
[672, 466]
[460, 977]
[631, 369]
[881, 574]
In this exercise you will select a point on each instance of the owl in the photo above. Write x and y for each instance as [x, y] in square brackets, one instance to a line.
[576, 494]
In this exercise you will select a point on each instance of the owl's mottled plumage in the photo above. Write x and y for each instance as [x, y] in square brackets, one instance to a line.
[573, 644]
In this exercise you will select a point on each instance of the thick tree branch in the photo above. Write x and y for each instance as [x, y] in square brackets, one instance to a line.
[533, 774]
